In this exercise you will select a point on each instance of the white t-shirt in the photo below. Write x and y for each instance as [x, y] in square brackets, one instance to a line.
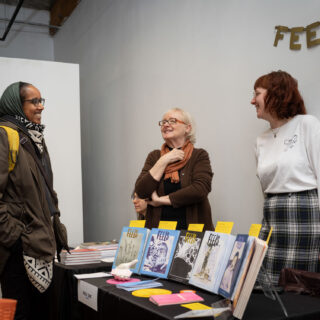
[290, 162]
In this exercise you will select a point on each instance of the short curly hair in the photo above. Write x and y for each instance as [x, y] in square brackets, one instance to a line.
[283, 98]
[188, 119]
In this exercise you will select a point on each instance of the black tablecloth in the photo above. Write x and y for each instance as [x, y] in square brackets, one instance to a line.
[126, 306]
[65, 305]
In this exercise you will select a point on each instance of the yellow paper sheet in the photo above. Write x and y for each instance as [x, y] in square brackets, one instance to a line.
[224, 226]
[137, 223]
[255, 230]
[196, 306]
[270, 232]
[195, 227]
[168, 225]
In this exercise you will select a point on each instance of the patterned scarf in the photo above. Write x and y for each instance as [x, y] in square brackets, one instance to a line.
[173, 168]
[35, 130]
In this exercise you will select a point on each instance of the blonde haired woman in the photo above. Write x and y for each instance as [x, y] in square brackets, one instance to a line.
[177, 178]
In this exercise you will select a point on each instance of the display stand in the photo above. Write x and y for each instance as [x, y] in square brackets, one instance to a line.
[224, 308]
[270, 291]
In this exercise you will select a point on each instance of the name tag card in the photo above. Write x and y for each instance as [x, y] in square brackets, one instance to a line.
[137, 223]
[196, 227]
[255, 230]
[168, 225]
[224, 227]
[88, 294]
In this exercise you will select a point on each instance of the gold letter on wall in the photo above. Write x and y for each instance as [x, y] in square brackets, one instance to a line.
[294, 38]
[279, 36]
[312, 34]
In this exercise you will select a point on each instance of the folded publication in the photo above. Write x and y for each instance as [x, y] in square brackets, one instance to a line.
[175, 298]
[243, 293]
[159, 252]
[212, 260]
[232, 270]
[185, 255]
[131, 246]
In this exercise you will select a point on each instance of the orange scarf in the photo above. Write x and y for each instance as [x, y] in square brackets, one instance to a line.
[171, 170]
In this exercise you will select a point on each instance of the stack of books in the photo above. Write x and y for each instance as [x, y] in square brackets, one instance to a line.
[80, 256]
[108, 249]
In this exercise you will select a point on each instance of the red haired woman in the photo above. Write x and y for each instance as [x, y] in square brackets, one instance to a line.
[288, 166]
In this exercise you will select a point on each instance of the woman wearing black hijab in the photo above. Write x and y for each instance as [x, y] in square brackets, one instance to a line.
[30, 229]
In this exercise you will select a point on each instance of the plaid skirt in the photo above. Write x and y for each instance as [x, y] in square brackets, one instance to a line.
[295, 239]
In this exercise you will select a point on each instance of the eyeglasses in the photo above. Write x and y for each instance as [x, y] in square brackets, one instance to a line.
[36, 101]
[170, 121]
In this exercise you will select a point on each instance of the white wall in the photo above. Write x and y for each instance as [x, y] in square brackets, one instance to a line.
[139, 58]
[59, 85]
[24, 41]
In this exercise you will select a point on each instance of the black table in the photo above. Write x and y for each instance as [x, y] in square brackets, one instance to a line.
[65, 305]
[120, 302]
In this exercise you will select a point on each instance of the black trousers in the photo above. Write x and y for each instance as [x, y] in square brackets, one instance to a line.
[15, 284]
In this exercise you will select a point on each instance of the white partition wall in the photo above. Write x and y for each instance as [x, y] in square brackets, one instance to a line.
[139, 58]
[59, 85]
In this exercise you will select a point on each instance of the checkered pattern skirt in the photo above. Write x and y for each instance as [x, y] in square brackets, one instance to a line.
[295, 239]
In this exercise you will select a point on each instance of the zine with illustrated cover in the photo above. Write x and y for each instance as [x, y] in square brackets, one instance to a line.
[185, 255]
[131, 247]
[159, 252]
[244, 268]
[231, 272]
[211, 261]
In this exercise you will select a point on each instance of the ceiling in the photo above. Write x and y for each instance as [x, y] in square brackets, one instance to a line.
[33, 4]
[59, 10]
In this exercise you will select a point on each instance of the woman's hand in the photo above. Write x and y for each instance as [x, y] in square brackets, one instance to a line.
[157, 201]
[173, 156]
[158, 169]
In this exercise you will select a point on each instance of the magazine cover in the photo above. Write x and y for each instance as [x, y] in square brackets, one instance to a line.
[131, 246]
[211, 261]
[159, 252]
[244, 267]
[231, 272]
[185, 255]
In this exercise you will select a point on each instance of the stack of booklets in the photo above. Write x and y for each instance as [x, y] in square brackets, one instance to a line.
[175, 298]
[108, 249]
[80, 256]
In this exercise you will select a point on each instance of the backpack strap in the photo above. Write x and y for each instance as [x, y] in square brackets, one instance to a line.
[13, 140]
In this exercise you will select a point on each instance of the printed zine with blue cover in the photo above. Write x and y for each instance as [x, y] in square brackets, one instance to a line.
[159, 252]
[232, 270]
[212, 260]
[185, 255]
[131, 246]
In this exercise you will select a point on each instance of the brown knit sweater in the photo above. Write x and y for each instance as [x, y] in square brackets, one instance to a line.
[196, 179]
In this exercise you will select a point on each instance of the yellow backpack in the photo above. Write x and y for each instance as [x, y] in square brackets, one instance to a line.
[13, 140]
